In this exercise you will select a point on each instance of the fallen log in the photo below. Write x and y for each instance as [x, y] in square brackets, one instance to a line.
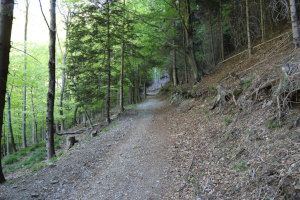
[72, 132]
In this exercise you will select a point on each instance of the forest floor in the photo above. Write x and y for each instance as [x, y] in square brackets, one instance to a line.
[128, 161]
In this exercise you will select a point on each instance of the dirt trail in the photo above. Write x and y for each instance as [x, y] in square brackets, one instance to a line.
[130, 161]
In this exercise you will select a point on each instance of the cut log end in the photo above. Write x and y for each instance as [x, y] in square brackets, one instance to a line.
[71, 140]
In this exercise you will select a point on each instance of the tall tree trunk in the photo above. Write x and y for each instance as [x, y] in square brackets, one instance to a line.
[87, 116]
[7, 141]
[61, 111]
[6, 18]
[51, 91]
[211, 39]
[248, 29]
[75, 115]
[174, 69]
[10, 124]
[35, 139]
[262, 17]
[122, 64]
[5, 149]
[197, 71]
[108, 120]
[186, 78]
[221, 31]
[64, 56]
[294, 19]
[25, 64]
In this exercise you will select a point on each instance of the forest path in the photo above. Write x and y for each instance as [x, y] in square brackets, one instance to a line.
[130, 161]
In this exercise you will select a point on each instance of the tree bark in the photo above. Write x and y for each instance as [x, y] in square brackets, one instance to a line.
[64, 56]
[174, 69]
[145, 90]
[262, 24]
[221, 32]
[25, 64]
[295, 27]
[248, 29]
[7, 142]
[197, 71]
[34, 137]
[6, 18]
[51, 91]
[75, 117]
[211, 39]
[108, 120]
[122, 64]
[61, 111]
[10, 124]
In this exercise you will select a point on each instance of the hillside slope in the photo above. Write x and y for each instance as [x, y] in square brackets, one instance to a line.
[239, 138]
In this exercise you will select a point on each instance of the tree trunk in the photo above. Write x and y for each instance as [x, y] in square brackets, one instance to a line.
[51, 91]
[7, 142]
[211, 39]
[174, 70]
[75, 117]
[221, 31]
[61, 112]
[88, 118]
[35, 139]
[294, 19]
[248, 29]
[262, 24]
[145, 90]
[122, 64]
[186, 79]
[197, 71]
[10, 124]
[108, 66]
[6, 18]
[25, 64]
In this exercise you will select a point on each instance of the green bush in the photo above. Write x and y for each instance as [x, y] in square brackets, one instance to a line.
[38, 155]
[10, 159]
[22, 152]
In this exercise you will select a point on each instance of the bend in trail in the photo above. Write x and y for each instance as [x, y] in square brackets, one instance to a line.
[130, 161]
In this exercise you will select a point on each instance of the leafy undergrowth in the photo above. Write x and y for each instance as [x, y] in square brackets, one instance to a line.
[245, 148]
[31, 158]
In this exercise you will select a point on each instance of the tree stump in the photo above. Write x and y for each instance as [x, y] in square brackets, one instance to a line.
[71, 140]
[94, 133]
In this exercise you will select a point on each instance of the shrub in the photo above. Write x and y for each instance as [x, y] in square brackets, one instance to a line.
[10, 159]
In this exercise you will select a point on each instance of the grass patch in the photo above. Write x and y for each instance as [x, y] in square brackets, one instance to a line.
[213, 86]
[10, 159]
[273, 125]
[60, 154]
[128, 107]
[247, 83]
[38, 166]
[25, 158]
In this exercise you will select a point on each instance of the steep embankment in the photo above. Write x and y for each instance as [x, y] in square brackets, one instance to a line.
[239, 138]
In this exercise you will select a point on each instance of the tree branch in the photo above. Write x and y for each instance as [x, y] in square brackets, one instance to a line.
[44, 15]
